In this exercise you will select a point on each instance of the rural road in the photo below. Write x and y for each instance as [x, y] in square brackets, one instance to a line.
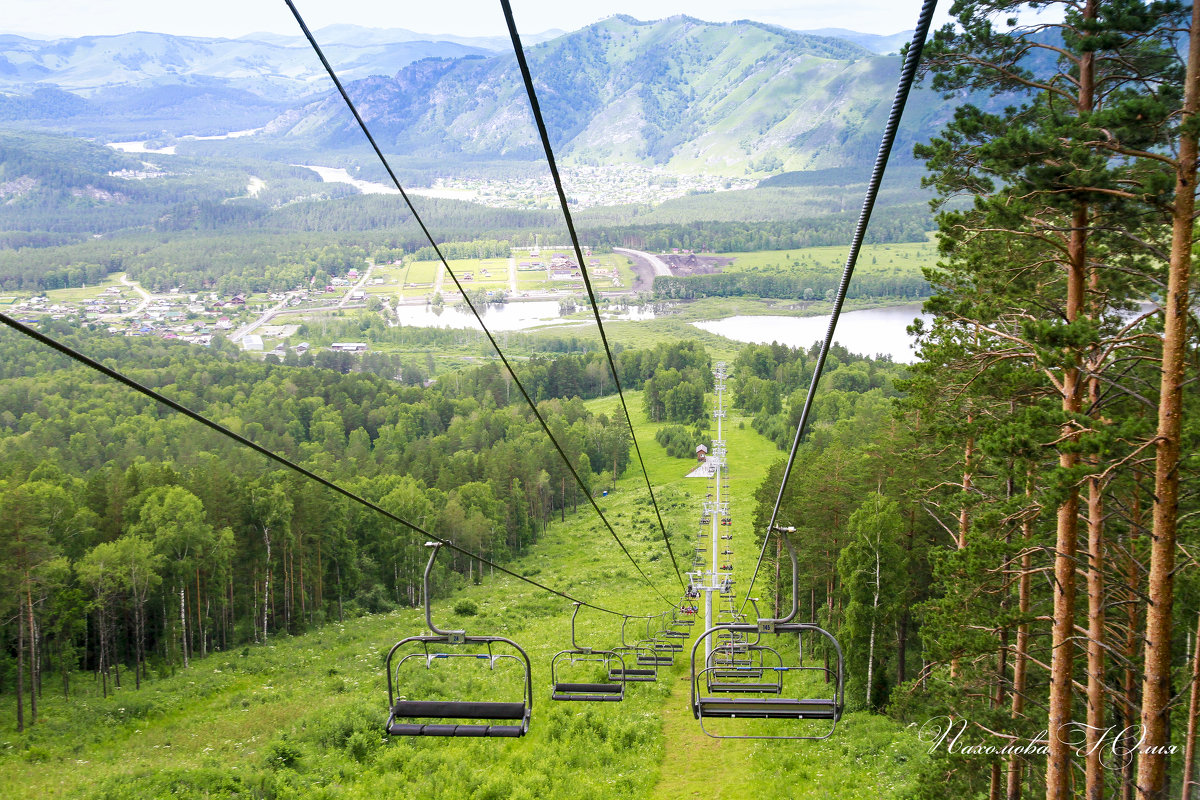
[657, 264]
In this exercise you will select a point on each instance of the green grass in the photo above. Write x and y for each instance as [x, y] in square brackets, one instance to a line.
[900, 259]
[85, 292]
[300, 716]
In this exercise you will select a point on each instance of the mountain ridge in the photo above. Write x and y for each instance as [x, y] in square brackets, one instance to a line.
[734, 98]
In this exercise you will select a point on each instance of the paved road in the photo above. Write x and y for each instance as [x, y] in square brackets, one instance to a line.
[441, 276]
[263, 320]
[657, 264]
[140, 307]
[361, 283]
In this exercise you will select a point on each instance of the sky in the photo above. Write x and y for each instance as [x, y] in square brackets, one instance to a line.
[232, 18]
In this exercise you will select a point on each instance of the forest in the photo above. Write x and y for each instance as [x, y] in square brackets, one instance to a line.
[113, 505]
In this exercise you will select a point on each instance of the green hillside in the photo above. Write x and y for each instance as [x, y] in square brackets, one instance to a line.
[301, 716]
[718, 98]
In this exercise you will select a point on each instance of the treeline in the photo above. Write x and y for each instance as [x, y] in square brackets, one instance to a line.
[815, 285]
[478, 248]
[741, 237]
[138, 540]
[770, 383]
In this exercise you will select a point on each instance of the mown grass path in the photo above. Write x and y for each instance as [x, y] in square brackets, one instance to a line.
[695, 765]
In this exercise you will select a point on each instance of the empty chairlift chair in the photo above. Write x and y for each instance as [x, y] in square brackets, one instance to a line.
[408, 717]
[642, 671]
[610, 661]
[764, 703]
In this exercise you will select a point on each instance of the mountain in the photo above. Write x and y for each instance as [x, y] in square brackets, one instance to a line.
[272, 69]
[359, 36]
[731, 98]
[882, 45]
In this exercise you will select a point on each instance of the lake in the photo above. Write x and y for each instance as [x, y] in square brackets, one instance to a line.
[872, 331]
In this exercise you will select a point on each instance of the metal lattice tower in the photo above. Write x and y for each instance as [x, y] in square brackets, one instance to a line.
[716, 510]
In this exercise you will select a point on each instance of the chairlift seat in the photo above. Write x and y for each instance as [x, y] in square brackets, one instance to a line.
[738, 672]
[767, 708]
[594, 692]
[627, 675]
[736, 686]
[656, 660]
[455, 709]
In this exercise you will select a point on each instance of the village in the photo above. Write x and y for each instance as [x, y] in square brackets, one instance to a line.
[265, 322]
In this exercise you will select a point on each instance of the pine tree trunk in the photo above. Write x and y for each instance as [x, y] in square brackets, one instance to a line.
[1062, 661]
[1020, 660]
[1189, 752]
[1156, 687]
[1132, 604]
[1093, 768]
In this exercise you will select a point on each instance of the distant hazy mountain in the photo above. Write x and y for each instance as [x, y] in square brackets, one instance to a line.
[359, 36]
[732, 97]
[882, 45]
[274, 70]
[735, 98]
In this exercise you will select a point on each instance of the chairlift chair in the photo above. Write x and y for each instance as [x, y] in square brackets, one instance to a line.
[642, 672]
[775, 705]
[652, 656]
[450, 717]
[609, 691]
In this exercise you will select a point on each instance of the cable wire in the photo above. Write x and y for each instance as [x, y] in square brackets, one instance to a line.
[562, 198]
[282, 460]
[412, 209]
[907, 75]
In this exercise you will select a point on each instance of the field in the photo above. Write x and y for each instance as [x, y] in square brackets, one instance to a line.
[301, 716]
[900, 258]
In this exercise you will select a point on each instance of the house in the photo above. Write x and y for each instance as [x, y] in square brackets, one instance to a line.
[348, 347]
[701, 452]
[562, 269]
[252, 342]
[301, 348]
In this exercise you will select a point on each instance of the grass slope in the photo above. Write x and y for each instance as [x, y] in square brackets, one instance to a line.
[301, 716]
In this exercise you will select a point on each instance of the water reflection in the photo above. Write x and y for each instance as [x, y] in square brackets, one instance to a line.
[873, 331]
[513, 316]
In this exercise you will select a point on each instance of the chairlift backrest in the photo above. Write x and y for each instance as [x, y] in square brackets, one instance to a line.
[612, 662]
[447, 717]
[776, 705]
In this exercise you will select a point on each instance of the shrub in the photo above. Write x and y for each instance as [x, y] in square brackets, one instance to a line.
[466, 608]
